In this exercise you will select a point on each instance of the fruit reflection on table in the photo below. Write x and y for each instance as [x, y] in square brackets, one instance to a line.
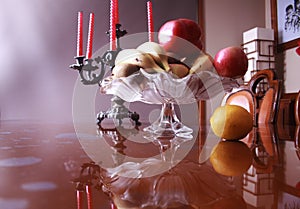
[193, 183]
[169, 181]
[165, 181]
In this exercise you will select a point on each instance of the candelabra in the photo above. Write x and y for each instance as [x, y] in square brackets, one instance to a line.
[92, 72]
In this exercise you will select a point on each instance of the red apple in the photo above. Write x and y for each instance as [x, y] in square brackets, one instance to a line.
[180, 36]
[231, 62]
[298, 186]
[298, 51]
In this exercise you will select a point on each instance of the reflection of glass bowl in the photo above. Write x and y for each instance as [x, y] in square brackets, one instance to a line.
[163, 88]
[183, 186]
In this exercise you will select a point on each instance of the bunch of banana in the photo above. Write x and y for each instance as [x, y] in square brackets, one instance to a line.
[151, 57]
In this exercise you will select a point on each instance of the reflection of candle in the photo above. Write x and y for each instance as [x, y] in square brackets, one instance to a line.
[150, 21]
[79, 35]
[112, 28]
[89, 49]
[79, 199]
[89, 196]
[112, 206]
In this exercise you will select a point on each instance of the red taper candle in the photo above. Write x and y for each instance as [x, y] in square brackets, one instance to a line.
[117, 11]
[89, 50]
[150, 21]
[79, 34]
[112, 25]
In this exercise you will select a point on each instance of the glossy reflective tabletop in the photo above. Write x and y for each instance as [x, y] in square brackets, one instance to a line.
[45, 166]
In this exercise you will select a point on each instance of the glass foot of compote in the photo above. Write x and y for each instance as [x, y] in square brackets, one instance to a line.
[168, 126]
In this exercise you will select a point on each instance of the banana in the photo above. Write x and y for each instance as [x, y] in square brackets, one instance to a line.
[203, 62]
[138, 58]
[157, 52]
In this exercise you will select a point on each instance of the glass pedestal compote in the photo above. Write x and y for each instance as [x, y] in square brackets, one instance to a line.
[164, 89]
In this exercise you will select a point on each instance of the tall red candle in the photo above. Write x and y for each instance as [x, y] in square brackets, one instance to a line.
[79, 34]
[89, 50]
[117, 11]
[112, 26]
[150, 21]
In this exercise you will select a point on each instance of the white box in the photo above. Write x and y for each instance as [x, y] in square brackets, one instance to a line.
[258, 33]
[254, 65]
[257, 56]
[260, 65]
[262, 47]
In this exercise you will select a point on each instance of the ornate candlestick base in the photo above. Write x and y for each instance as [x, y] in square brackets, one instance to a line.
[118, 111]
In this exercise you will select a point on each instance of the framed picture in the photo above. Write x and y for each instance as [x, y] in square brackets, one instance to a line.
[286, 22]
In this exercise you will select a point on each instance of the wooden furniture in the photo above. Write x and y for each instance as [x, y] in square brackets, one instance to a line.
[289, 110]
[266, 89]
[288, 115]
[297, 109]
[260, 96]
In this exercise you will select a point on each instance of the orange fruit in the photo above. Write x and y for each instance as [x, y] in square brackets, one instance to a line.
[231, 122]
[231, 158]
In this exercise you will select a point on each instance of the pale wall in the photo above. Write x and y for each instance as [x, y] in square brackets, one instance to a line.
[226, 20]
[292, 70]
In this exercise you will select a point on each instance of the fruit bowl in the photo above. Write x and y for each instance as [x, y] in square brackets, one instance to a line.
[160, 88]
[165, 89]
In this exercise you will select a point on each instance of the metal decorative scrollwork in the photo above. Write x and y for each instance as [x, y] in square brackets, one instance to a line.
[88, 68]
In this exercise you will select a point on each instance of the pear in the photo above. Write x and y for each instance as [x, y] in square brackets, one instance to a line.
[138, 58]
[179, 70]
[203, 63]
[124, 70]
[157, 52]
